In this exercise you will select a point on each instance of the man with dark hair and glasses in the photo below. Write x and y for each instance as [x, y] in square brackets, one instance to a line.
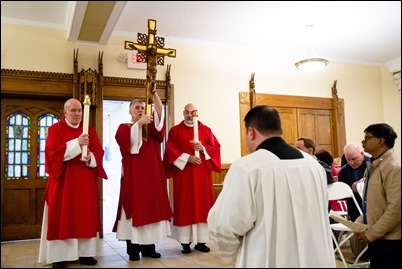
[382, 198]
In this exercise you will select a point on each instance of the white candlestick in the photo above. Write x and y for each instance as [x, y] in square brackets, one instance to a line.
[87, 104]
[195, 128]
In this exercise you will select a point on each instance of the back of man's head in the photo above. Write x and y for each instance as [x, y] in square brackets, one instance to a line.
[264, 119]
[308, 143]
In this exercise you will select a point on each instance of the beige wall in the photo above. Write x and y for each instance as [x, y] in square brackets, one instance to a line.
[211, 76]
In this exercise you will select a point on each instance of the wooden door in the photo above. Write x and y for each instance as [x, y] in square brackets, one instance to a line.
[289, 121]
[24, 124]
[317, 125]
[320, 119]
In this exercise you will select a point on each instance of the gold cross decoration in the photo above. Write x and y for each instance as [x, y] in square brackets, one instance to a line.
[152, 49]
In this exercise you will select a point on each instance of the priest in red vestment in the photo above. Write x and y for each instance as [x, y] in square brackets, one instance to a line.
[71, 219]
[193, 193]
[144, 212]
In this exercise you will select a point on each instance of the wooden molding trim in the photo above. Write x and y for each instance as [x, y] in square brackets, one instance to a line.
[47, 84]
[51, 84]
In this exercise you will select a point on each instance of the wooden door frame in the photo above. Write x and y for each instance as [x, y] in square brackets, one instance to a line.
[247, 100]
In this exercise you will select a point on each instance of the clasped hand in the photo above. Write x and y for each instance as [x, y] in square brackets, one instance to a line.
[145, 119]
[197, 145]
[194, 160]
[83, 140]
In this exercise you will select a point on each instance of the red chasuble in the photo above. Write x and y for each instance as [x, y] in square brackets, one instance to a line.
[143, 189]
[72, 187]
[193, 193]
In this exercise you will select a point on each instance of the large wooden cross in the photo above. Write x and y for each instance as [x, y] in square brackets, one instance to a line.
[152, 48]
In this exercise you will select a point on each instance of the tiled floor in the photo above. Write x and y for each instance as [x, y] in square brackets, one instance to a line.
[24, 254]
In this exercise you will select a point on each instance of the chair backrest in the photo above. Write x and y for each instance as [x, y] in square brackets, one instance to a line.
[340, 190]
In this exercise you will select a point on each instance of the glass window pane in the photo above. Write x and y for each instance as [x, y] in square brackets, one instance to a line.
[17, 171]
[41, 170]
[24, 158]
[25, 133]
[18, 144]
[25, 121]
[11, 143]
[11, 132]
[25, 170]
[17, 157]
[42, 158]
[11, 158]
[18, 119]
[25, 145]
[42, 121]
[10, 171]
[42, 134]
[42, 144]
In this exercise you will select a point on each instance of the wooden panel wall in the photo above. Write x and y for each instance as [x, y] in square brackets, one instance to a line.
[219, 177]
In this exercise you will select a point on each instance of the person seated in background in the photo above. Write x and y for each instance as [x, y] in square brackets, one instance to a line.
[308, 145]
[335, 167]
[326, 157]
[352, 172]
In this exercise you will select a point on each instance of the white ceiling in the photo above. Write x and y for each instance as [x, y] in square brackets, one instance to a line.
[367, 32]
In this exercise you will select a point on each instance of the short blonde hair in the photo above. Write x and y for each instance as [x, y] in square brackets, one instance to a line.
[337, 161]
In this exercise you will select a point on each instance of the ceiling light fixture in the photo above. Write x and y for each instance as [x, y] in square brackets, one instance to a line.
[312, 64]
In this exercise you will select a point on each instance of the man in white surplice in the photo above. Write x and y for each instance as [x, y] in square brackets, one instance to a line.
[273, 208]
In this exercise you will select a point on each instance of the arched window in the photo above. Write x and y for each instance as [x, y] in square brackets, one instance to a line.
[44, 122]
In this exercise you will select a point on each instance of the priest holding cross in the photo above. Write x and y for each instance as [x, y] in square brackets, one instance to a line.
[143, 213]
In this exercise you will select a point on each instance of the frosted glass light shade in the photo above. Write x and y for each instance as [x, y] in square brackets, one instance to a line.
[312, 64]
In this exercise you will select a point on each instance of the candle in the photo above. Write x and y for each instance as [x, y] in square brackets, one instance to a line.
[195, 128]
[87, 104]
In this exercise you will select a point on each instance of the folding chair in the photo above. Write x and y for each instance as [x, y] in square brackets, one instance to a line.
[339, 191]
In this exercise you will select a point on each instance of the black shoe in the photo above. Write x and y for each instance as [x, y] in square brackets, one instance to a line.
[185, 248]
[202, 247]
[134, 257]
[59, 265]
[87, 261]
[149, 251]
[151, 254]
